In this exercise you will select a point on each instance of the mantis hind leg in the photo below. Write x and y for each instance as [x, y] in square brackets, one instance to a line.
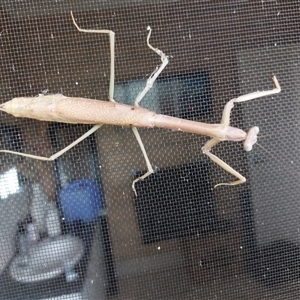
[112, 54]
[94, 128]
[59, 153]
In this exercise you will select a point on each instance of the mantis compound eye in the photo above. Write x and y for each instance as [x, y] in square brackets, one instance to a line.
[251, 138]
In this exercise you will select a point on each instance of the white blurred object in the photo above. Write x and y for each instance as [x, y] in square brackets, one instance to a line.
[47, 259]
[42, 259]
[52, 220]
[39, 208]
[13, 210]
[32, 234]
[44, 213]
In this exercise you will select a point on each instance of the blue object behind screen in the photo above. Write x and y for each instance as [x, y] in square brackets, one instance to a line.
[81, 200]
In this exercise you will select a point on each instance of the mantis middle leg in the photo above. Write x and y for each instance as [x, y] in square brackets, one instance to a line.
[149, 84]
[141, 95]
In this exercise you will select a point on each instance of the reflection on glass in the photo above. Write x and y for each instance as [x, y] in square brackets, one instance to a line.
[9, 183]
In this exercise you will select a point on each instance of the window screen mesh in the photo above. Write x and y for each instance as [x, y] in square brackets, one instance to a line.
[73, 228]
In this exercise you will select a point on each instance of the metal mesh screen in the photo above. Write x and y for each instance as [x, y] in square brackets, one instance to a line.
[73, 228]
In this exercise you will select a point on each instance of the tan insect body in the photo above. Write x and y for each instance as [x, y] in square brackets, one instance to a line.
[58, 108]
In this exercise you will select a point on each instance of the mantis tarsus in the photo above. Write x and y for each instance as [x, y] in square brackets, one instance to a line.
[58, 108]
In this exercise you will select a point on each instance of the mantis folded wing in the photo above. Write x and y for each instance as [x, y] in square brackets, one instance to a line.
[58, 108]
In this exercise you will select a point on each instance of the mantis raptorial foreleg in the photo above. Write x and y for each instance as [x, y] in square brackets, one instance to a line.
[250, 139]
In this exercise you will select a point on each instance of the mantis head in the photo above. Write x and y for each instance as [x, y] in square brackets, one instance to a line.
[251, 138]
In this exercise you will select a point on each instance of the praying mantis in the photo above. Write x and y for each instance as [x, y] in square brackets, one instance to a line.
[59, 108]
